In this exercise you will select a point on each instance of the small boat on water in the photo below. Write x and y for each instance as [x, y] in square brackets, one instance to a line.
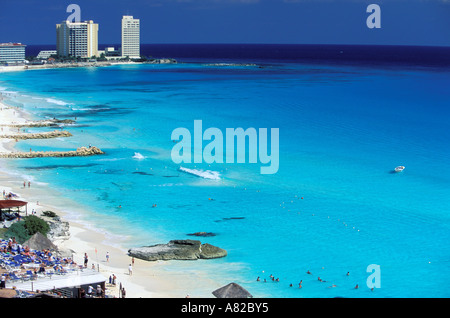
[399, 168]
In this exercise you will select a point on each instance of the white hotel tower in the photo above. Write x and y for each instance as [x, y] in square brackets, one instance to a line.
[78, 39]
[130, 37]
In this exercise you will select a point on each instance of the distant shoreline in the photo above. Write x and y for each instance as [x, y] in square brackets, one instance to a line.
[25, 67]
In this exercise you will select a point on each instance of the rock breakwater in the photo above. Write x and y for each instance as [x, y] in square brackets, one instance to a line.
[80, 152]
[44, 123]
[42, 135]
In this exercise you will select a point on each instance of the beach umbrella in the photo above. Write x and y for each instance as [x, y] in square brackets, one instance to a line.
[232, 290]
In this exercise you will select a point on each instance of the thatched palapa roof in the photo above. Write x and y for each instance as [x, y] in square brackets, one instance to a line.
[39, 242]
[232, 290]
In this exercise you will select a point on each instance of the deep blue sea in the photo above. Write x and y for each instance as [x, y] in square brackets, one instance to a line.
[347, 116]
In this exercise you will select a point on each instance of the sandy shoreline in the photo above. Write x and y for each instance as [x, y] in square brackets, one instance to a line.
[26, 67]
[149, 279]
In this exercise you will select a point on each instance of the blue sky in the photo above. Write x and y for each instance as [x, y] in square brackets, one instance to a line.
[412, 22]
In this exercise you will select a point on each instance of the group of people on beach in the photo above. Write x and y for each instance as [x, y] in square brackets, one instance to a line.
[16, 256]
[112, 277]
[258, 279]
[9, 196]
[13, 248]
[99, 292]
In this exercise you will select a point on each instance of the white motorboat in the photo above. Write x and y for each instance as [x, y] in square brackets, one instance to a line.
[399, 168]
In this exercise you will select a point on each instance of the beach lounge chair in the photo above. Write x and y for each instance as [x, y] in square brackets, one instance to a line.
[58, 270]
[31, 275]
[25, 277]
[49, 273]
[14, 277]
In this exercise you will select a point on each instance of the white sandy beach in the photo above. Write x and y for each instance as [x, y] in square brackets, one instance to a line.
[11, 68]
[149, 279]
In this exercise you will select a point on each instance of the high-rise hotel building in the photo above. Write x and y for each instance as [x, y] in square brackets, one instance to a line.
[12, 53]
[130, 37]
[77, 39]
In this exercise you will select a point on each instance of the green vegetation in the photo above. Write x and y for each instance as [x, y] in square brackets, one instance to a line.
[26, 228]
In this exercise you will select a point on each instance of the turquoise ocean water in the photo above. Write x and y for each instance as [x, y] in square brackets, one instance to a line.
[334, 206]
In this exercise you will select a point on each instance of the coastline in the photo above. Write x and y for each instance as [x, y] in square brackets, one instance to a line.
[26, 67]
[14, 68]
[161, 279]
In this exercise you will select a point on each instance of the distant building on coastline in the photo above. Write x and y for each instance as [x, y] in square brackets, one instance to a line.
[46, 54]
[131, 37]
[112, 52]
[12, 53]
[77, 39]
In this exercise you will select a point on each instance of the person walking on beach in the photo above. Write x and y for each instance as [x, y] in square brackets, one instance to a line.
[107, 257]
[130, 270]
[90, 289]
[3, 282]
[85, 260]
[99, 291]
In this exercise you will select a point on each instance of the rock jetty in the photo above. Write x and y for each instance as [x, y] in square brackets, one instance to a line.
[42, 135]
[44, 123]
[80, 152]
[177, 250]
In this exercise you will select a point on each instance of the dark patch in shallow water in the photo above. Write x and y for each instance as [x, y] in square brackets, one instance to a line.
[49, 167]
[143, 173]
[110, 171]
[100, 109]
[231, 218]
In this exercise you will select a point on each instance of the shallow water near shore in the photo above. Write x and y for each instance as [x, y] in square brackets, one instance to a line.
[335, 205]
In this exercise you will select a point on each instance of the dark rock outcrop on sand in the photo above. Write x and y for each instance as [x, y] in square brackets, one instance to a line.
[177, 250]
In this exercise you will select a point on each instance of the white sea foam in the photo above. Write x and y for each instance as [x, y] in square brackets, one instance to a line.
[6, 90]
[206, 174]
[230, 64]
[56, 101]
[90, 109]
[138, 156]
[20, 176]
[111, 159]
